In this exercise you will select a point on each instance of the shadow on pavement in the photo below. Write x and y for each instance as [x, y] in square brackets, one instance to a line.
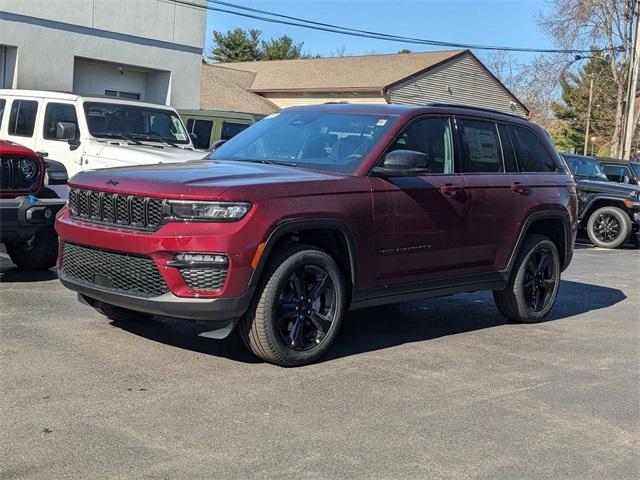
[389, 326]
[10, 273]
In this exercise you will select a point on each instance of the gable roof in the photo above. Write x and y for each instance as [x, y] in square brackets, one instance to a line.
[229, 89]
[363, 73]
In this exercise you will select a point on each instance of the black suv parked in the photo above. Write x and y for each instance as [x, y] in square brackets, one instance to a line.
[621, 171]
[608, 211]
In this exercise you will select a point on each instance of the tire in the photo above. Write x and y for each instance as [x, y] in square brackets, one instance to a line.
[608, 227]
[117, 314]
[518, 302]
[39, 253]
[269, 328]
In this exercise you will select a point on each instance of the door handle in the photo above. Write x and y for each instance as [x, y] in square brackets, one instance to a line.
[518, 187]
[43, 154]
[450, 189]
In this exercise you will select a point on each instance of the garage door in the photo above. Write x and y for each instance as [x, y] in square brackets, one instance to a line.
[97, 78]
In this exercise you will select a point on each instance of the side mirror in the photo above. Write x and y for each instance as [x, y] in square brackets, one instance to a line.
[217, 144]
[66, 131]
[403, 162]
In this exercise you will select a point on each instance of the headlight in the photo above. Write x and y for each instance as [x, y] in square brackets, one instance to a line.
[28, 168]
[208, 211]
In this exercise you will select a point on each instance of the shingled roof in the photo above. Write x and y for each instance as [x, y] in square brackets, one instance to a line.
[369, 73]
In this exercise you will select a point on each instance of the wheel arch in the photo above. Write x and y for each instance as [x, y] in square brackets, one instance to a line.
[331, 235]
[554, 224]
[604, 201]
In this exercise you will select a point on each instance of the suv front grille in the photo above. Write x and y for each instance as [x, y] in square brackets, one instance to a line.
[204, 278]
[120, 210]
[122, 272]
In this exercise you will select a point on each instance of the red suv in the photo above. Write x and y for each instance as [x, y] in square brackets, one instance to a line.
[317, 210]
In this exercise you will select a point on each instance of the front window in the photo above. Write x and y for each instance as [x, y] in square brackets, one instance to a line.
[585, 167]
[135, 123]
[335, 142]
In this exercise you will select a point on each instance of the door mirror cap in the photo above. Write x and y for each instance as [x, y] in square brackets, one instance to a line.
[66, 131]
[402, 162]
[217, 144]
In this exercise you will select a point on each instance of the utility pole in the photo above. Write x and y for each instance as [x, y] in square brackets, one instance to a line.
[586, 134]
[634, 69]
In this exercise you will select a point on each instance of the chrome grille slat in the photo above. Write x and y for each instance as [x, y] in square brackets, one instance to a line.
[119, 210]
[130, 274]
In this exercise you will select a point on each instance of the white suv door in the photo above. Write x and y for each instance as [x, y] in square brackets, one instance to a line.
[69, 152]
[22, 119]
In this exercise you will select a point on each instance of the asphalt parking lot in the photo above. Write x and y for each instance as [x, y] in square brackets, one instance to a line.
[433, 389]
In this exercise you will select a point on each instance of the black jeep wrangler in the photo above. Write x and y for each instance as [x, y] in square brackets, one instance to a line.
[28, 206]
[608, 211]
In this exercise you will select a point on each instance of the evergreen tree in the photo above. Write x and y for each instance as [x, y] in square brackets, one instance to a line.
[236, 46]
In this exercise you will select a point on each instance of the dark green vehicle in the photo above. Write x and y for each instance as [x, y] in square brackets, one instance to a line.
[209, 126]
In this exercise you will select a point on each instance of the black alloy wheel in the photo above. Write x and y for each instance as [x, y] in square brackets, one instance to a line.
[609, 227]
[539, 282]
[606, 227]
[306, 307]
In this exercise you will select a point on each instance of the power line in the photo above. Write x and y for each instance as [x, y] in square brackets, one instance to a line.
[249, 12]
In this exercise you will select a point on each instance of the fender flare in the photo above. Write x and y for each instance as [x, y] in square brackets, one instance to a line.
[307, 224]
[595, 199]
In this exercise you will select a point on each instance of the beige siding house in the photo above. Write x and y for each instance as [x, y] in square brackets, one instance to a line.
[456, 77]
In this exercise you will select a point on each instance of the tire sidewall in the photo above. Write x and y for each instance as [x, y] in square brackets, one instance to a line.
[271, 293]
[624, 227]
[525, 313]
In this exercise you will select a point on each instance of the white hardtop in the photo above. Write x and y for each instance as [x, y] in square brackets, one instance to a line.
[72, 97]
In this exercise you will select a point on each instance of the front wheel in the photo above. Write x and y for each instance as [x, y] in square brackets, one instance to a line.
[608, 227]
[299, 310]
[534, 282]
[38, 253]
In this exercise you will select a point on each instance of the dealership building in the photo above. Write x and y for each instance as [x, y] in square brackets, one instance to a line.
[149, 50]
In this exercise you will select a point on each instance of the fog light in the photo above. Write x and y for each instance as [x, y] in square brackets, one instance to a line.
[202, 257]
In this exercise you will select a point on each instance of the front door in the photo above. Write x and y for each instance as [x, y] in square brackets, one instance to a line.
[420, 221]
[69, 153]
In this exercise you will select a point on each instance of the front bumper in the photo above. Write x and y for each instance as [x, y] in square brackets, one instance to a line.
[21, 217]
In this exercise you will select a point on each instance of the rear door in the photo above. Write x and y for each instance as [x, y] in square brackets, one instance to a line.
[498, 194]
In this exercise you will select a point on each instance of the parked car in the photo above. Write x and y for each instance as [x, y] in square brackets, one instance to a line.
[93, 132]
[320, 209]
[209, 126]
[621, 171]
[27, 209]
[609, 212]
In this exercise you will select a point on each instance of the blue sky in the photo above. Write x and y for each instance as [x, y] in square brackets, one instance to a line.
[496, 22]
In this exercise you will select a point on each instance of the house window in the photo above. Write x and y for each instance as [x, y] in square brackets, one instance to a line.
[121, 94]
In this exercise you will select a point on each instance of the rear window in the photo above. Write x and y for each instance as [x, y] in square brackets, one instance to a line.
[531, 154]
[231, 129]
[481, 144]
[22, 119]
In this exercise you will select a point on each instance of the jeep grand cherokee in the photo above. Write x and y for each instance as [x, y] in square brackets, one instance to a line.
[317, 210]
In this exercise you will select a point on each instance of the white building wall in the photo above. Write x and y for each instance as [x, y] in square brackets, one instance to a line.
[163, 38]
[460, 81]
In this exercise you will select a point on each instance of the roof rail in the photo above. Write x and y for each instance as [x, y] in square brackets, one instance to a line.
[469, 107]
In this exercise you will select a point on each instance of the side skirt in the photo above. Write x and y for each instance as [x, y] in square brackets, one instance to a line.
[430, 289]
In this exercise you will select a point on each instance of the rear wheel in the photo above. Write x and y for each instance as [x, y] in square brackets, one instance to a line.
[38, 253]
[608, 227]
[299, 310]
[534, 283]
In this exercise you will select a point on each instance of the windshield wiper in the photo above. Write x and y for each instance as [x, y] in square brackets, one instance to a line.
[120, 136]
[273, 162]
[158, 138]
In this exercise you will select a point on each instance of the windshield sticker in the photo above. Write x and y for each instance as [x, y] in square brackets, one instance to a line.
[382, 122]
[180, 136]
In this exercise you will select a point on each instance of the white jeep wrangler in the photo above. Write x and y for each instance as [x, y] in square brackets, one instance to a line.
[94, 132]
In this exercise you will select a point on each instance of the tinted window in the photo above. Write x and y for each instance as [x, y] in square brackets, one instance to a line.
[202, 128]
[431, 136]
[318, 139]
[585, 167]
[617, 173]
[481, 145]
[531, 154]
[58, 112]
[22, 119]
[231, 129]
[2, 104]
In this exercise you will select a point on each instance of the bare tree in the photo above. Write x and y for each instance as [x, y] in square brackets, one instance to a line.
[596, 24]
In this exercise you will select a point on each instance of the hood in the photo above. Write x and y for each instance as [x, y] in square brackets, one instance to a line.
[207, 179]
[618, 189]
[144, 154]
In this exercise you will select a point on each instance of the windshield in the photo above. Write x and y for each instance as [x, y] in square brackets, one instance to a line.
[135, 123]
[327, 141]
[585, 167]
